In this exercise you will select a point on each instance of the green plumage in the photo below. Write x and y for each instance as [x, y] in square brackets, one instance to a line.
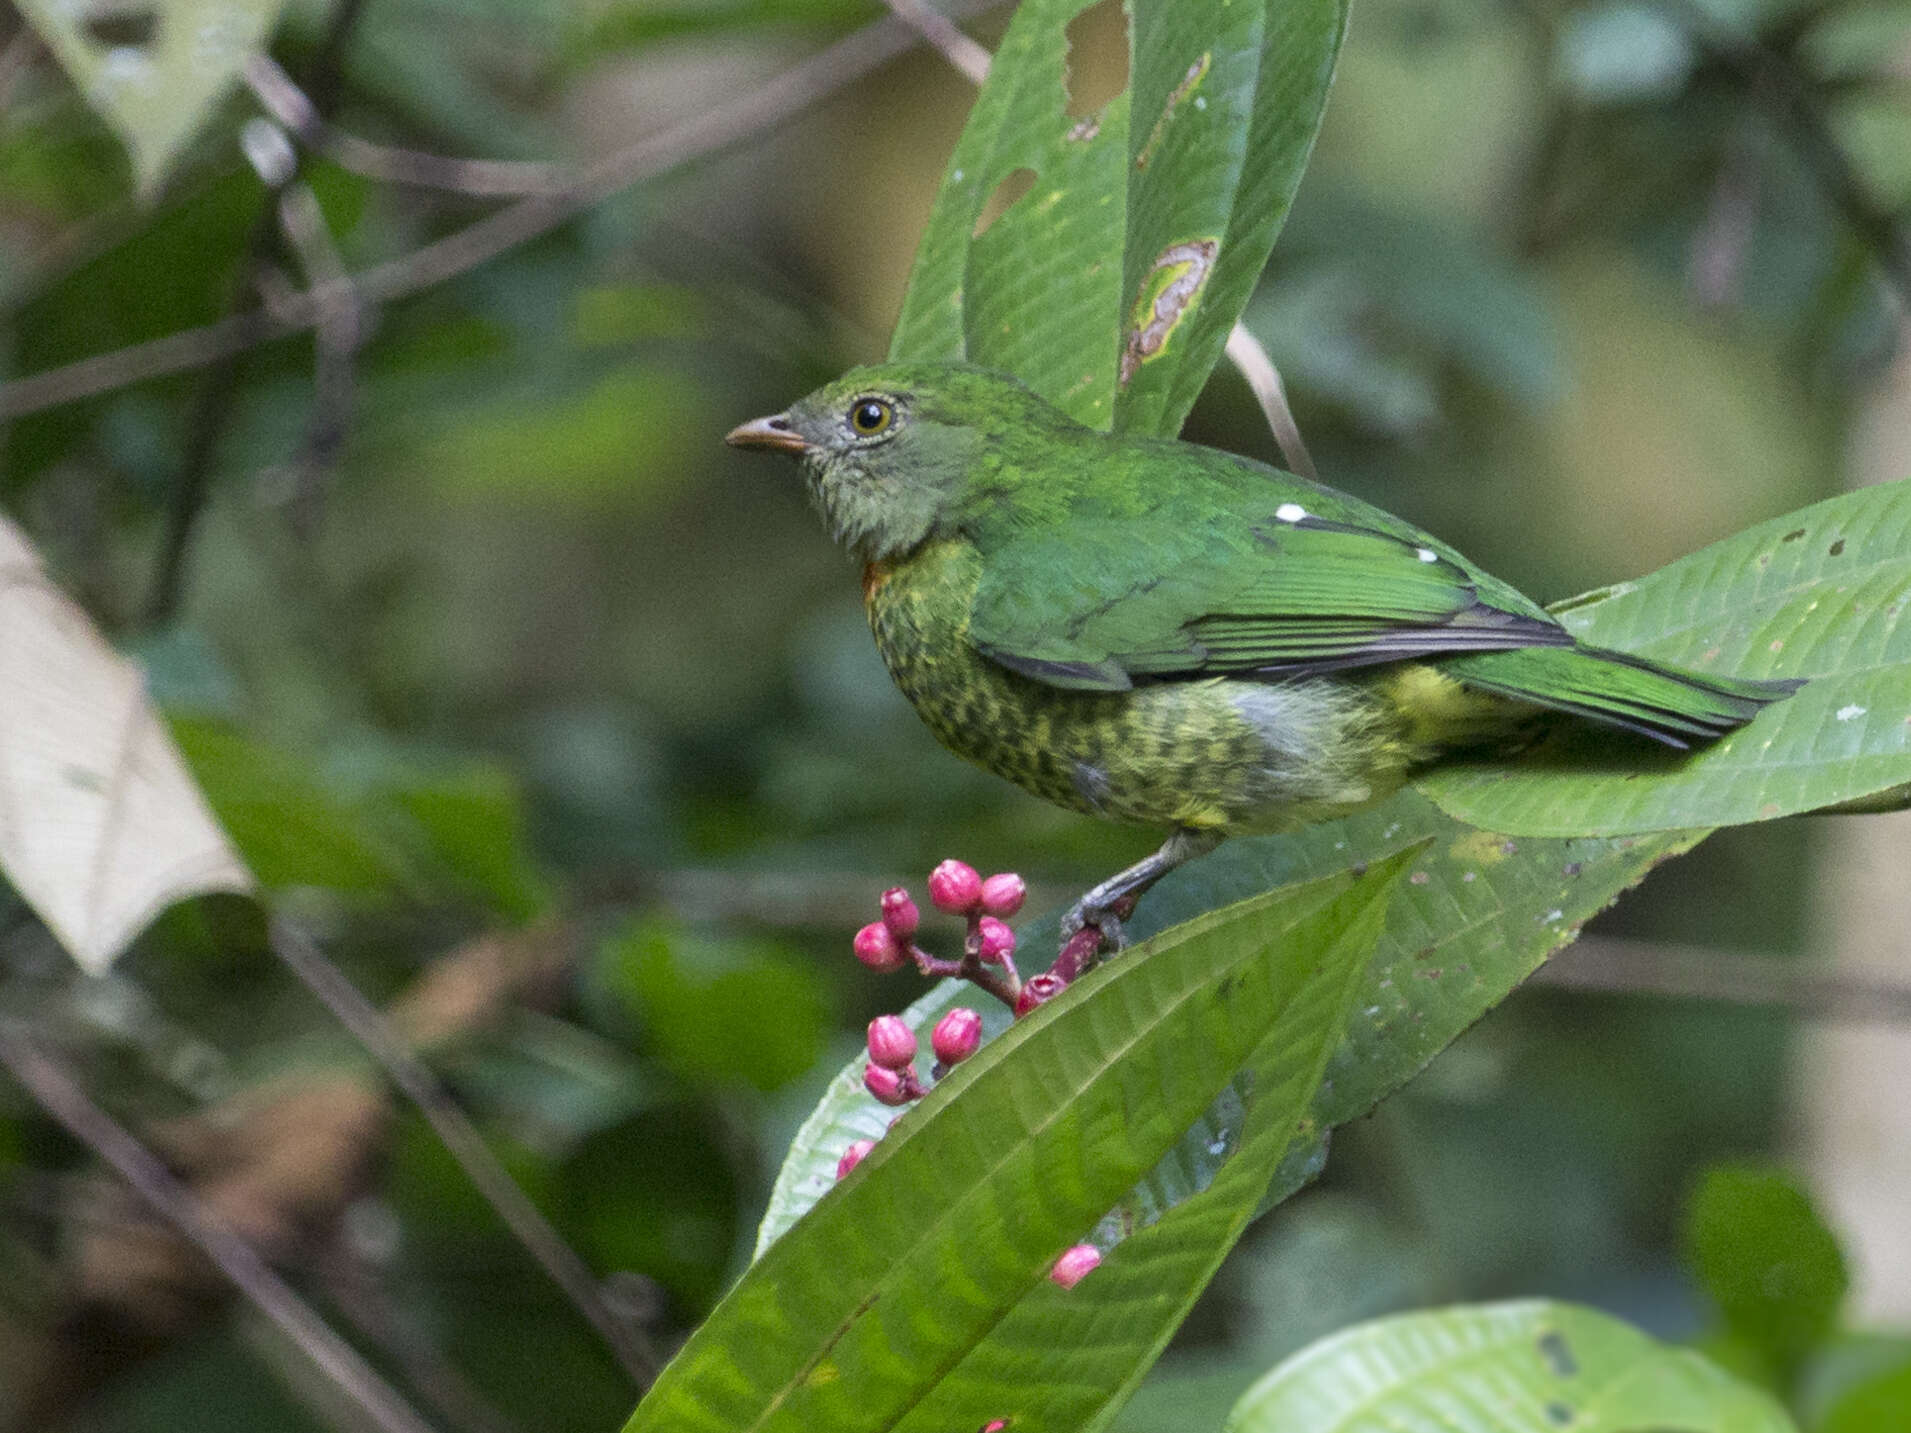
[1162, 633]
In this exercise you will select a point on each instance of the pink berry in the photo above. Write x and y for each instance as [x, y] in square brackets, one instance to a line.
[877, 947]
[900, 913]
[1038, 990]
[954, 887]
[885, 1084]
[993, 940]
[853, 1156]
[892, 1044]
[956, 1035]
[1078, 1261]
[1003, 894]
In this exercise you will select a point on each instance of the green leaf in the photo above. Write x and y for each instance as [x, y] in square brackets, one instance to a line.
[914, 1296]
[472, 818]
[847, 1113]
[1879, 1403]
[155, 82]
[1821, 593]
[1526, 1367]
[287, 824]
[1109, 285]
[1767, 1260]
[719, 1011]
[1838, 1368]
[1479, 912]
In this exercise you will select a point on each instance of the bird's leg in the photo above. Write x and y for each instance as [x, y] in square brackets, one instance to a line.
[1108, 904]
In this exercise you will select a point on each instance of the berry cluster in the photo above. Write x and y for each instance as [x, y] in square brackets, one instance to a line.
[988, 953]
[987, 961]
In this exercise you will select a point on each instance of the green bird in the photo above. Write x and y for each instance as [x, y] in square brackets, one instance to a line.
[1155, 632]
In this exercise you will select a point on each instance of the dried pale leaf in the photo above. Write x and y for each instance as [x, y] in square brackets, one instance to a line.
[153, 72]
[101, 826]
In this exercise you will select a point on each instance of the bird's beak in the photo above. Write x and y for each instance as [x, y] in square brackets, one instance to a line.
[773, 432]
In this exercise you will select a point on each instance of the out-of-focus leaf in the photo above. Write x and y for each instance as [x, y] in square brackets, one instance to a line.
[1767, 1260]
[1821, 593]
[960, 1212]
[101, 826]
[719, 1011]
[292, 830]
[1623, 54]
[551, 1083]
[656, 1195]
[587, 447]
[1370, 306]
[474, 822]
[1530, 1367]
[1855, 39]
[1840, 1366]
[637, 22]
[1873, 1406]
[452, 67]
[1109, 285]
[173, 273]
[154, 72]
[1874, 132]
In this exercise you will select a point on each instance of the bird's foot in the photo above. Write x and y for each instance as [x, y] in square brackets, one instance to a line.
[1104, 919]
[1105, 907]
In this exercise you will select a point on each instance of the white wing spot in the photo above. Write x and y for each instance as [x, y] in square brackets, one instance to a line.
[1290, 512]
[1427, 554]
[1847, 713]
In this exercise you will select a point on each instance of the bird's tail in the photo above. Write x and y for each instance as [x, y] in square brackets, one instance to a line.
[1665, 703]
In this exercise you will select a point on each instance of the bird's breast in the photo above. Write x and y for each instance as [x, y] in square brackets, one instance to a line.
[1215, 753]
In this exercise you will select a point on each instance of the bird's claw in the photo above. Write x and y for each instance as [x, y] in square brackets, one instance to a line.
[1081, 916]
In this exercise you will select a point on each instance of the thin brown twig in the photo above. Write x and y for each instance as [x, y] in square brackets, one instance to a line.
[340, 331]
[480, 178]
[370, 1027]
[1245, 352]
[356, 1290]
[790, 93]
[218, 394]
[1608, 965]
[939, 30]
[16, 59]
[62, 1098]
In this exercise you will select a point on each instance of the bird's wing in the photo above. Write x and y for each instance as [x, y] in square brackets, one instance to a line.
[1099, 604]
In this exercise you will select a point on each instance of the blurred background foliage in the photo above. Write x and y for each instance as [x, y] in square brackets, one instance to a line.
[521, 647]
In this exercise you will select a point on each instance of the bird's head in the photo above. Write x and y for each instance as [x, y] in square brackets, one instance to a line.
[892, 452]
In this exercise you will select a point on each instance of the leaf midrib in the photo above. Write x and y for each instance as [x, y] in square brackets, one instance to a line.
[1057, 1110]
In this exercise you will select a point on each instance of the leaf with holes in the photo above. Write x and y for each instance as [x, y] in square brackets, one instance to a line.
[1527, 1367]
[914, 1296]
[154, 71]
[1110, 284]
[101, 828]
[1821, 594]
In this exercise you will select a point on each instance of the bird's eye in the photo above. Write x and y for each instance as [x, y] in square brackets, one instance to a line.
[870, 416]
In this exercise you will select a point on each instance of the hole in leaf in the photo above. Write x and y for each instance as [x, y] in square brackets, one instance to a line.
[1557, 1353]
[1002, 198]
[1097, 66]
[115, 28]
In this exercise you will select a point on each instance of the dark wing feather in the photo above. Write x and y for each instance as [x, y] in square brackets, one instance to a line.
[1105, 603]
